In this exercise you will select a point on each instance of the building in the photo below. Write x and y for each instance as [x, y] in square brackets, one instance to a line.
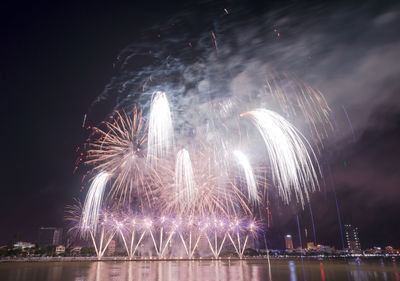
[325, 249]
[353, 242]
[311, 246]
[60, 249]
[23, 245]
[374, 251]
[202, 249]
[251, 243]
[111, 248]
[49, 236]
[76, 250]
[389, 250]
[289, 242]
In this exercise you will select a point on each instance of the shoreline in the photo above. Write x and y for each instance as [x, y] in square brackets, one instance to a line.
[155, 259]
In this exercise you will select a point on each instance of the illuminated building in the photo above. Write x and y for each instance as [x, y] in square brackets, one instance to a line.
[389, 250]
[60, 249]
[325, 249]
[289, 242]
[353, 242]
[311, 246]
[24, 245]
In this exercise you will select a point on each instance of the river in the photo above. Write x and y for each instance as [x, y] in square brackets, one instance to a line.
[232, 270]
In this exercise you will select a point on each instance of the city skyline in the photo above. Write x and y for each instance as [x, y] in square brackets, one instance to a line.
[53, 236]
[50, 242]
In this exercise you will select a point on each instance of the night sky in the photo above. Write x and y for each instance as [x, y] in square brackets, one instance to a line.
[57, 59]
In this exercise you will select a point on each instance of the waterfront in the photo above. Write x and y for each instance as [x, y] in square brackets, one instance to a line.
[234, 270]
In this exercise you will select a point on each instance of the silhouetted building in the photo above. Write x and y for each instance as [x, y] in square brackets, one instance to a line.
[202, 248]
[289, 242]
[49, 236]
[111, 248]
[251, 243]
[353, 242]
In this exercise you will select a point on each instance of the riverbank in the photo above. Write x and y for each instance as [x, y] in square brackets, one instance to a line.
[149, 259]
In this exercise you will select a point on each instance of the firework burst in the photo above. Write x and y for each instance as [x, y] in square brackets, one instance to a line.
[119, 150]
[290, 154]
[211, 193]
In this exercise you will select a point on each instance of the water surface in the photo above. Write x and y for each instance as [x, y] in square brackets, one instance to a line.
[257, 270]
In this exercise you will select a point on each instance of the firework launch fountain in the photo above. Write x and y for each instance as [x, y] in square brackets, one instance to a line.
[160, 136]
[184, 175]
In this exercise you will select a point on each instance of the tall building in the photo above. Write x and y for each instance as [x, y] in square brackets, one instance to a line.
[353, 242]
[289, 242]
[202, 249]
[49, 236]
[111, 248]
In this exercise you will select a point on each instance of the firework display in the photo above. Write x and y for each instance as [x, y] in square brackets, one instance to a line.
[154, 183]
[160, 137]
[288, 152]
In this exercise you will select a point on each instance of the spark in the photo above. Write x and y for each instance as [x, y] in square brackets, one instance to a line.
[248, 170]
[84, 121]
[215, 41]
[288, 152]
[303, 100]
[93, 202]
[348, 121]
[184, 178]
[119, 150]
[161, 133]
[200, 180]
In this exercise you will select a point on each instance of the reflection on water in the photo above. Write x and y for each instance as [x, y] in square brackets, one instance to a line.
[293, 270]
[321, 266]
[164, 270]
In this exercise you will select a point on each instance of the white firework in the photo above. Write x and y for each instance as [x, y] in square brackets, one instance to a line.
[93, 201]
[248, 172]
[161, 132]
[290, 154]
[184, 177]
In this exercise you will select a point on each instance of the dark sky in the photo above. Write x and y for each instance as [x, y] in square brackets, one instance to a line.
[57, 58]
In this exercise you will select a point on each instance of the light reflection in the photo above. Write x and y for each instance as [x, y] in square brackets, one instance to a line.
[396, 271]
[292, 269]
[184, 270]
[321, 266]
[384, 273]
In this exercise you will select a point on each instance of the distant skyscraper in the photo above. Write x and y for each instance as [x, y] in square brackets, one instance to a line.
[111, 248]
[353, 242]
[289, 242]
[49, 236]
